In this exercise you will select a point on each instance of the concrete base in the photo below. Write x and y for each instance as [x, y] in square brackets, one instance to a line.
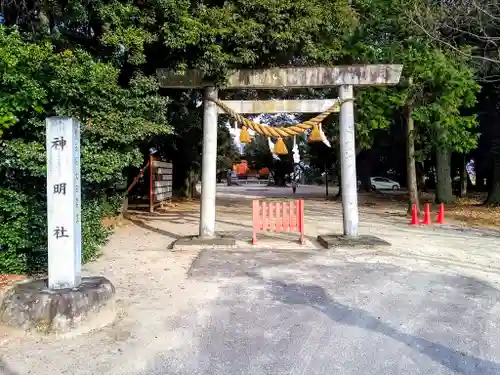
[220, 241]
[33, 306]
[334, 241]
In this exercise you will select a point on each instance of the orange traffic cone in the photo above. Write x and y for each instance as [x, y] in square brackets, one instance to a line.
[440, 215]
[427, 215]
[414, 215]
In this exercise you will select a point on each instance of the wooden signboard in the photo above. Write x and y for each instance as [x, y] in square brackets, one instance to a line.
[161, 182]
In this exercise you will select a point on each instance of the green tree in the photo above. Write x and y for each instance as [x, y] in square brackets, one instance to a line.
[139, 36]
[435, 86]
[116, 123]
[258, 155]
[457, 25]
[452, 89]
[227, 153]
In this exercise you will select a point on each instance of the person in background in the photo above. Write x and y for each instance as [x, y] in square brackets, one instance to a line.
[294, 186]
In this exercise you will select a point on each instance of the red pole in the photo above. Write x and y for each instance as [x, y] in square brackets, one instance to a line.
[136, 180]
[302, 229]
[151, 201]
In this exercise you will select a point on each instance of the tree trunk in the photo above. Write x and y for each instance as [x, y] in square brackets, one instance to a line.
[185, 180]
[444, 188]
[326, 180]
[338, 169]
[364, 168]
[480, 186]
[339, 177]
[411, 171]
[195, 178]
[464, 178]
[420, 168]
[494, 191]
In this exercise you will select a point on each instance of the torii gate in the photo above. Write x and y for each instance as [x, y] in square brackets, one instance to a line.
[343, 77]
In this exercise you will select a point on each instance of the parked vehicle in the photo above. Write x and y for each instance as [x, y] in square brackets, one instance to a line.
[383, 183]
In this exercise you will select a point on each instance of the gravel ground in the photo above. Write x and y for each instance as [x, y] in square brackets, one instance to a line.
[429, 304]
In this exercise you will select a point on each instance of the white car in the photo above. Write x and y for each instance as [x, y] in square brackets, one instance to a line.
[382, 183]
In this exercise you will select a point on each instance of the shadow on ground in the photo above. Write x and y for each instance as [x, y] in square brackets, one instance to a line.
[243, 233]
[282, 312]
[314, 296]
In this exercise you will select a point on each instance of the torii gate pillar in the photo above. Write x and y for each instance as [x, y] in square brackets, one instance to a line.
[348, 178]
[344, 77]
[209, 164]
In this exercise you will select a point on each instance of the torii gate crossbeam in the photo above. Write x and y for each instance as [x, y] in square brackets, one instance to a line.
[343, 77]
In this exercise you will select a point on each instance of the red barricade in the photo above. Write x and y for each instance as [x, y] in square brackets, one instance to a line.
[278, 217]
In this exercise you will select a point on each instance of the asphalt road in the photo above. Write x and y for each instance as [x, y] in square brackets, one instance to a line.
[304, 191]
[282, 312]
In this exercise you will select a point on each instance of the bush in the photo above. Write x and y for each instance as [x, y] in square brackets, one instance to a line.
[117, 121]
[94, 234]
[23, 233]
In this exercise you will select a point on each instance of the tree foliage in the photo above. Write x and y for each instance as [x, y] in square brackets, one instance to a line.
[442, 81]
[96, 60]
[37, 83]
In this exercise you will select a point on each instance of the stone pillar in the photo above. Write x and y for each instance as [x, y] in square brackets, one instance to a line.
[64, 202]
[209, 165]
[349, 181]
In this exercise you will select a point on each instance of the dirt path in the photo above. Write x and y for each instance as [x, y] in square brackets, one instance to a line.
[151, 287]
